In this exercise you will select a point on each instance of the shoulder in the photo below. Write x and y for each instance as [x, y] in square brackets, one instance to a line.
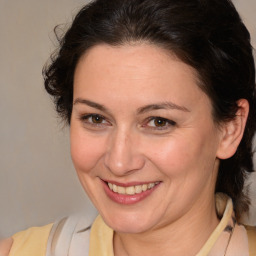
[5, 246]
[67, 236]
[32, 241]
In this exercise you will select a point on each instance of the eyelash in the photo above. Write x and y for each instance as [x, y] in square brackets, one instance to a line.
[103, 121]
[167, 123]
[86, 119]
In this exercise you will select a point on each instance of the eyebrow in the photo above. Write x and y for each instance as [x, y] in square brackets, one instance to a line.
[142, 110]
[163, 105]
[90, 104]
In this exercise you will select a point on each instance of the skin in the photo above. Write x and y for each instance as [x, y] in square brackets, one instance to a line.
[124, 144]
[5, 246]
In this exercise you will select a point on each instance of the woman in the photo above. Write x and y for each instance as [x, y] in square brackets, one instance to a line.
[160, 99]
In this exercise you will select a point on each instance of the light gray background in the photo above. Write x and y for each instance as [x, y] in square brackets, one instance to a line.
[37, 181]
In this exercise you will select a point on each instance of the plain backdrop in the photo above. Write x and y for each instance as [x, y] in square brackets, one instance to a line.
[38, 183]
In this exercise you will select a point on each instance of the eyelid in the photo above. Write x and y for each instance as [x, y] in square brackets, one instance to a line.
[84, 118]
[170, 123]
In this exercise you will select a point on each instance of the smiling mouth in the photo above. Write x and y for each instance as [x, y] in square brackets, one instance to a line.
[131, 190]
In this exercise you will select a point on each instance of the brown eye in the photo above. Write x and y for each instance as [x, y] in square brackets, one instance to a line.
[96, 119]
[160, 122]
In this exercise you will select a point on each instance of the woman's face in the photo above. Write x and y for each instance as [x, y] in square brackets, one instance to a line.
[143, 140]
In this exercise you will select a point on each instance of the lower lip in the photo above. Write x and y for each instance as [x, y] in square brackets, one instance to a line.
[128, 199]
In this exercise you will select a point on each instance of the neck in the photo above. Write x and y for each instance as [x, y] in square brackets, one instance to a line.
[185, 236]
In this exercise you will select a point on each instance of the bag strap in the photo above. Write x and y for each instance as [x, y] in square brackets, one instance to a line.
[251, 233]
[69, 237]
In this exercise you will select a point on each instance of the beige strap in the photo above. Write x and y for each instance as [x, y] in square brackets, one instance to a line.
[251, 232]
[70, 236]
[219, 229]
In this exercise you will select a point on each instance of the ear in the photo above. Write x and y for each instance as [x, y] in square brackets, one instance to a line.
[232, 131]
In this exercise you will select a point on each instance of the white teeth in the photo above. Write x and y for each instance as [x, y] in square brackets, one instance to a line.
[144, 187]
[138, 189]
[132, 190]
[120, 190]
[151, 185]
[114, 188]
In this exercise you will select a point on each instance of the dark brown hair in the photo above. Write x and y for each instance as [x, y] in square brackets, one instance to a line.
[207, 35]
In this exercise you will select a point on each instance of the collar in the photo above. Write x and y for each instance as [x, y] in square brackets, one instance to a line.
[101, 238]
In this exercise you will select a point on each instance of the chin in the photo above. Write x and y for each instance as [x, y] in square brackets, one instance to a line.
[129, 223]
[131, 228]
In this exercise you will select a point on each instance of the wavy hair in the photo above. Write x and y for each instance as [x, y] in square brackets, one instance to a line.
[207, 35]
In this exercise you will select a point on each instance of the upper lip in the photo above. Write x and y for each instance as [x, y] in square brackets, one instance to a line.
[129, 184]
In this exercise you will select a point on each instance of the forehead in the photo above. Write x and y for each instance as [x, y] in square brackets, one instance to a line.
[134, 53]
[129, 69]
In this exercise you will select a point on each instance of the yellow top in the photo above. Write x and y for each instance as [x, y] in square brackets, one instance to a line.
[34, 240]
[101, 239]
[31, 242]
[251, 231]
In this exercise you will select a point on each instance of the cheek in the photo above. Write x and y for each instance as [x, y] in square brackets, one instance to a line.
[183, 155]
[172, 158]
[86, 151]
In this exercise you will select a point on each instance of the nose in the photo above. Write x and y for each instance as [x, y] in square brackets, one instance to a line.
[122, 156]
